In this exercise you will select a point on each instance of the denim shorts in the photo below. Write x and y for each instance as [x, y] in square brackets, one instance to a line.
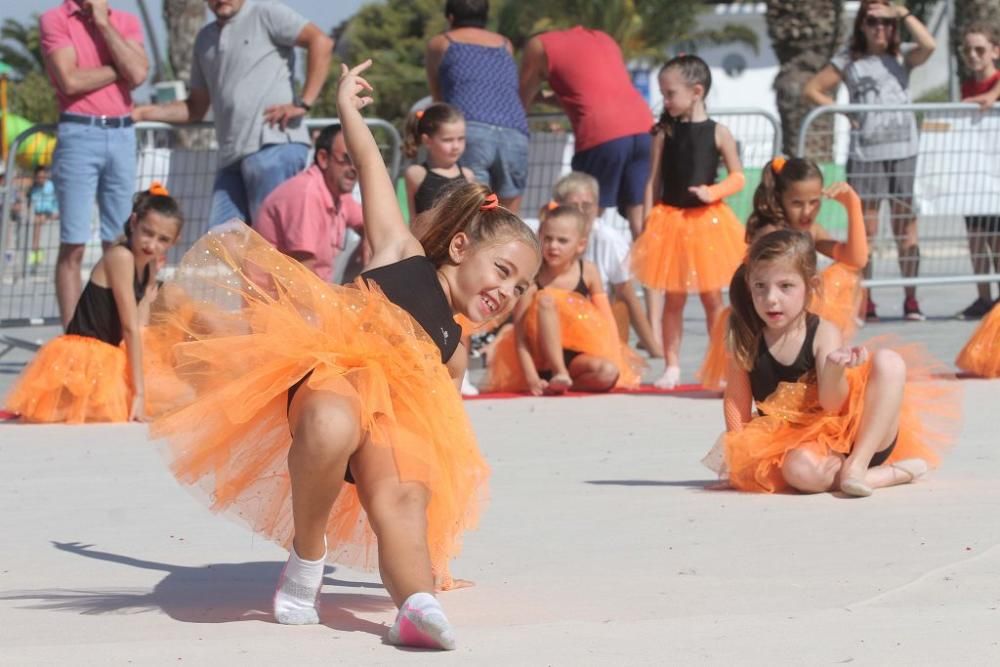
[93, 163]
[242, 186]
[876, 180]
[498, 156]
[621, 167]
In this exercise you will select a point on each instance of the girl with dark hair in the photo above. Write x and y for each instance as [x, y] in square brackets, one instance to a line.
[882, 156]
[300, 386]
[85, 375]
[440, 129]
[692, 241]
[829, 417]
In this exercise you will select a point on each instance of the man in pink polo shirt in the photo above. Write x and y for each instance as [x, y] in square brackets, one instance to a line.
[95, 57]
[307, 216]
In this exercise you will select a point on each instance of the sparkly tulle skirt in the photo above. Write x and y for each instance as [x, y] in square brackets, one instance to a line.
[981, 355]
[241, 323]
[582, 329]
[74, 379]
[689, 249]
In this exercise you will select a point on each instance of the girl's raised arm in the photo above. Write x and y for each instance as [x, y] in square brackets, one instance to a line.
[385, 228]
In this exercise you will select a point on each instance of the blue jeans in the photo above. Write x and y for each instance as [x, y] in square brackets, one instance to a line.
[242, 186]
[89, 163]
[498, 156]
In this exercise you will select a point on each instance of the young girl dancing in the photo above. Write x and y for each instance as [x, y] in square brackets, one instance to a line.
[789, 196]
[692, 241]
[440, 128]
[354, 384]
[828, 416]
[564, 334]
[85, 375]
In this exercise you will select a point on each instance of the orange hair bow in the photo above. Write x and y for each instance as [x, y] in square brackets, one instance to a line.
[419, 114]
[158, 189]
[490, 202]
[778, 163]
[552, 205]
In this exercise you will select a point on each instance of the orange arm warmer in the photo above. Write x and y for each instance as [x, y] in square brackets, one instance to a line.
[855, 251]
[730, 185]
[738, 398]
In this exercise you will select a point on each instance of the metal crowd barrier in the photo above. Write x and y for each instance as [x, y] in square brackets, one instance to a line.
[757, 133]
[956, 179]
[183, 157]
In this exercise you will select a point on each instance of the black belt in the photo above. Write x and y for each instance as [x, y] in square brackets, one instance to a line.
[99, 121]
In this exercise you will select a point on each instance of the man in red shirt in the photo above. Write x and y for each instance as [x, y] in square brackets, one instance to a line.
[95, 57]
[611, 120]
[307, 216]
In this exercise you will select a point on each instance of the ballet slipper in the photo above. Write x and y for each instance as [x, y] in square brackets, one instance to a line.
[914, 468]
[559, 384]
[853, 486]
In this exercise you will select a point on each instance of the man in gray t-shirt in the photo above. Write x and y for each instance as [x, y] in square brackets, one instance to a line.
[243, 67]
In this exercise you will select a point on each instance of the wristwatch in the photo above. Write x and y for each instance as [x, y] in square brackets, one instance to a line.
[300, 103]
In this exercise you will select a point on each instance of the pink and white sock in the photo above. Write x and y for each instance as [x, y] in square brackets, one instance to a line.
[296, 600]
[421, 623]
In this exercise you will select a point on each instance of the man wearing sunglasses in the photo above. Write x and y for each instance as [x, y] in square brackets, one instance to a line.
[307, 216]
[882, 157]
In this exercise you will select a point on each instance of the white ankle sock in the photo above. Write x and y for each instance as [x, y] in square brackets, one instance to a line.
[421, 623]
[296, 600]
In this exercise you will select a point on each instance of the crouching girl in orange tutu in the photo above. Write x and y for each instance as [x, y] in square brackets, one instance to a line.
[692, 241]
[564, 334]
[789, 195]
[299, 385]
[981, 355]
[86, 375]
[828, 416]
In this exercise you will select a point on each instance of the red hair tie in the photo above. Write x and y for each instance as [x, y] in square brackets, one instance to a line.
[777, 164]
[158, 189]
[490, 202]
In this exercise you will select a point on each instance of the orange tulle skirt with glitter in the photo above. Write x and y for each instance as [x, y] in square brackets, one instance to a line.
[981, 355]
[74, 379]
[836, 301]
[238, 325]
[929, 422]
[582, 328]
[689, 249]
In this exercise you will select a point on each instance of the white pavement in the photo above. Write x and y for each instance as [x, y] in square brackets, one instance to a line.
[600, 546]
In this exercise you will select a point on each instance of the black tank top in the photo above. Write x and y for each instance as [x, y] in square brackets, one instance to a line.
[96, 314]
[689, 158]
[432, 187]
[767, 372]
[581, 285]
[412, 284]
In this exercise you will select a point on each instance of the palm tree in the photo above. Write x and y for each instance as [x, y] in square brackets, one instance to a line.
[804, 35]
[21, 46]
[184, 18]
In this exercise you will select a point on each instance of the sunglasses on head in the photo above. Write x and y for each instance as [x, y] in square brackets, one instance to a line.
[875, 21]
[343, 160]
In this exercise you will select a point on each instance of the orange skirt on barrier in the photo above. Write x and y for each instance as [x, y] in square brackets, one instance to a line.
[74, 379]
[981, 355]
[689, 249]
[241, 323]
[928, 424]
[582, 329]
[836, 301]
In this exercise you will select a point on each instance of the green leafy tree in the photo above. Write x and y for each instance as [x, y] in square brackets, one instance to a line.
[32, 95]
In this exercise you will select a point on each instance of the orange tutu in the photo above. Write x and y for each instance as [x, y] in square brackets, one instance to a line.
[981, 355]
[689, 249]
[839, 297]
[582, 329]
[74, 379]
[929, 422]
[253, 322]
